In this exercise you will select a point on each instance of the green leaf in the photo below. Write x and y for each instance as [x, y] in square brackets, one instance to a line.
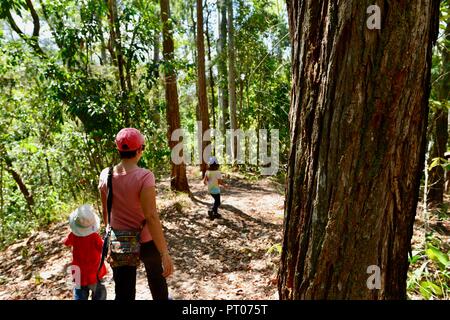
[438, 256]
[434, 163]
[29, 147]
[414, 259]
[276, 247]
[428, 288]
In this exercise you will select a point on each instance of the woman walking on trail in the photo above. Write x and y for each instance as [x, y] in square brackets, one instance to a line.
[134, 208]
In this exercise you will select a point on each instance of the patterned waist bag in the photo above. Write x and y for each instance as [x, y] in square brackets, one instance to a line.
[124, 248]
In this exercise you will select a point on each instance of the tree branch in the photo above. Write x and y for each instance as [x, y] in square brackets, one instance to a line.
[34, 15]
[33, 40]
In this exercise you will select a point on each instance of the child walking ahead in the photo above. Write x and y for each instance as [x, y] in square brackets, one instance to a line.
[213, 178]
[87, 250]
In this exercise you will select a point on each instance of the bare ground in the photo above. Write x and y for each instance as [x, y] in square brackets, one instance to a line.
[230, 258]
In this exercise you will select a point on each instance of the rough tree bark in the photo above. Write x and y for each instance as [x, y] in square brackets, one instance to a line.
[358, 116]
[178, 180]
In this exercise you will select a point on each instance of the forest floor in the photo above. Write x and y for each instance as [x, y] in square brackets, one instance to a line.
[234, 257]
[430, 228]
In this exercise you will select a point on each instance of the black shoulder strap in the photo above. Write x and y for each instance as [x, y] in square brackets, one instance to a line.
[109, 196]
[108, 228]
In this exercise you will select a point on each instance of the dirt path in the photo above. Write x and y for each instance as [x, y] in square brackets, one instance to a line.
[230, 258]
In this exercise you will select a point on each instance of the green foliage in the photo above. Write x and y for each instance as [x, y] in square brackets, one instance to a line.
[275, 249]
[60, 113]
[440, 258]
[430, 272]
[439, 162]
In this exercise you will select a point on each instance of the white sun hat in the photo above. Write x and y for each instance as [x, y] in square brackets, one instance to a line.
[84, 221]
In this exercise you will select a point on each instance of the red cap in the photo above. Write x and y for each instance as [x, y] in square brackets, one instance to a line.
[129, 139]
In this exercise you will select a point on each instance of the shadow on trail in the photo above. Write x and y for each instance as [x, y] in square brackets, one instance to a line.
[202, 247]
[233, 209]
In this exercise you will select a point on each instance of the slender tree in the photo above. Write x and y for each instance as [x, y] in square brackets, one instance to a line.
[202, 92]
[115, 42]
[210, 69]
[358, 118]
[222, 65]
[115, 47]
[232, 77]
[17, 178]
[439, 123]
[178, 174]
[156, 61]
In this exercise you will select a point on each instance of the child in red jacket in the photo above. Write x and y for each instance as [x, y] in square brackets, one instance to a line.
[86, 246]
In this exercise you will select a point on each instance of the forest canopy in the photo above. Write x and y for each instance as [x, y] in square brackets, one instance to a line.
[74, 72]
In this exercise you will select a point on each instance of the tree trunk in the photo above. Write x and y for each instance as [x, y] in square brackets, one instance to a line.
[222, 65]
[117, 52]
[18, 179]
[103, 58]
[114, 29]
[49, 174]
[232, 78]
[436, 182]
[440, 125]
[2, 201]
[211, 74]
[178, 175]
[202, 92]
[156, 61]
[197, 106]
[359, 105]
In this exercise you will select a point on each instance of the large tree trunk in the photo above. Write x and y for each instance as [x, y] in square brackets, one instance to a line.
[358, 117]
[178, 176]
[202, 93]
[440, 125]
[222, 65]
[232, 78]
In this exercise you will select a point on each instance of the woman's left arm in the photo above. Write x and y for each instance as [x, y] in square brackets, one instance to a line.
[148, 203]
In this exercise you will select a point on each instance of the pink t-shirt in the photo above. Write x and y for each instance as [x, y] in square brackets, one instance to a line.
[126, 212]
